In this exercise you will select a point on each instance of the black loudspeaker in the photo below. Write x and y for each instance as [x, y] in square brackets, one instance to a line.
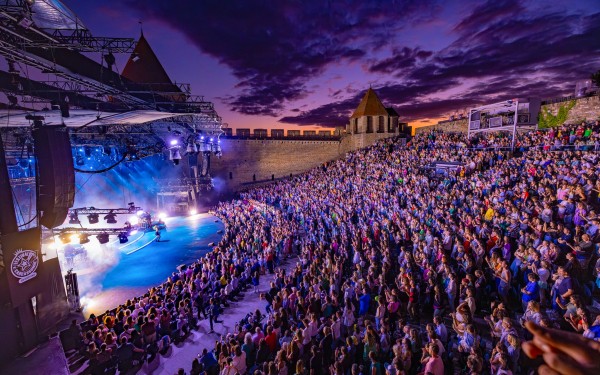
[56, 177]
[64, 109]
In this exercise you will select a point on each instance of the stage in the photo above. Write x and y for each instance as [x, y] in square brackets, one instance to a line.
[110, 274]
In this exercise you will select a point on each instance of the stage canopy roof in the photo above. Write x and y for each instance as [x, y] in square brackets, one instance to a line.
[52, 14]
[83, 117]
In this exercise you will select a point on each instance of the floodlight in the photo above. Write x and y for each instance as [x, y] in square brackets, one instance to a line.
[102, 238]
[84, 238]
[175, 156]
[111, 218]
[64, 237]
[93, 218]
[123, 237]
[73, 219]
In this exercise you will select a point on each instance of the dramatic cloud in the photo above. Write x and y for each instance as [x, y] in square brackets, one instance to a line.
[404, 58]
[416, 53]
[501, 51]
[276, 47]
[488, 12]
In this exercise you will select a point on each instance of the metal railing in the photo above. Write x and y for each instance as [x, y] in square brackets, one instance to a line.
[584, 147]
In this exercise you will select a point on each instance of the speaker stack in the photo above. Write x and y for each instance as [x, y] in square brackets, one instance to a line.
[56, 177]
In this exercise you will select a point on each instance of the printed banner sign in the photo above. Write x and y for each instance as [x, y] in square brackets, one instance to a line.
[22, 259]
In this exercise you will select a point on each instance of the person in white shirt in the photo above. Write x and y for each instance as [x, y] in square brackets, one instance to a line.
[451, 291]
[544, 274]
[239, 360]
[532, 313]
[336, 326]
[440, 329]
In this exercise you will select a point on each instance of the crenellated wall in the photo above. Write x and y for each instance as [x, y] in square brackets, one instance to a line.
[456, 126]
[245, 162]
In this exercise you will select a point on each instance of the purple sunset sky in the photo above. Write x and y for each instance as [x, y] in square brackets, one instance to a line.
[274, 64]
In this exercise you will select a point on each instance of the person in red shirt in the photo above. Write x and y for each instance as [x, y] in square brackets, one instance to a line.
[271, 339]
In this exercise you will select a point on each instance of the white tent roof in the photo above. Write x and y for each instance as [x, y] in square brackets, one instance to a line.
[53, 14]
[81, 117]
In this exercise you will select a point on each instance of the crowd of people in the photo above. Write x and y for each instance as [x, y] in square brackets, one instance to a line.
[400, 270]
[142, 327]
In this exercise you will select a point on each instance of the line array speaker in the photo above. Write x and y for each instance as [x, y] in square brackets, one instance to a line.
[56, 177]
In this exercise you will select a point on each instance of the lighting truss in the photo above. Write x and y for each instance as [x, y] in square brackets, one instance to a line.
[12, 53]
[92, 231]
[80, 38]
[184, 184]
[29, 45]
[83, 40]
[105, 211]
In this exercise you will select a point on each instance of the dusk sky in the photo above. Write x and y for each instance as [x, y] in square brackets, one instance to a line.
[274, 64]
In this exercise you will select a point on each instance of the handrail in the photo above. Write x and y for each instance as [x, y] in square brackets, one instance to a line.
[583, 147]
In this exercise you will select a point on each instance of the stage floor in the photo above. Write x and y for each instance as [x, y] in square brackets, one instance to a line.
[110, 274]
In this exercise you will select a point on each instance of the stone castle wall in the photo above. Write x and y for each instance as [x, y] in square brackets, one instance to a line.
[456, 126]
[585, 109]
[249, 162]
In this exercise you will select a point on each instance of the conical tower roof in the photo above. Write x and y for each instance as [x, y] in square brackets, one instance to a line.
[370, 105]
[143, 66]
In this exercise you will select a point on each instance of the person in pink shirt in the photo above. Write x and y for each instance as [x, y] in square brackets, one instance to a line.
[433, 363]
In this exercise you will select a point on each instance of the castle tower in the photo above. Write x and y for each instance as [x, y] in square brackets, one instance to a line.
[372, 117]
[144, 68]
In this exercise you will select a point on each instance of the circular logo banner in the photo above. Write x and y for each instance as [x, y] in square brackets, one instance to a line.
[24, 265]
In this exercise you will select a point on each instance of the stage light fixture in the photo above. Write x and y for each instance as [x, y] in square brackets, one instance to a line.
[64, 238]
[175, 156]
[192, 148]
[193, 211]
[162, 215]
[140, 213]
[73, 219]
[93, 218]
[134, 220]
[25, 23]
[133, 232]
[111, 218]
[102, 238]
[84, 238]
[123, 237]
[173, 142]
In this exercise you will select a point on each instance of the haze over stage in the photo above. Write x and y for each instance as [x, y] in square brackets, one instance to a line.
[116, 272]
